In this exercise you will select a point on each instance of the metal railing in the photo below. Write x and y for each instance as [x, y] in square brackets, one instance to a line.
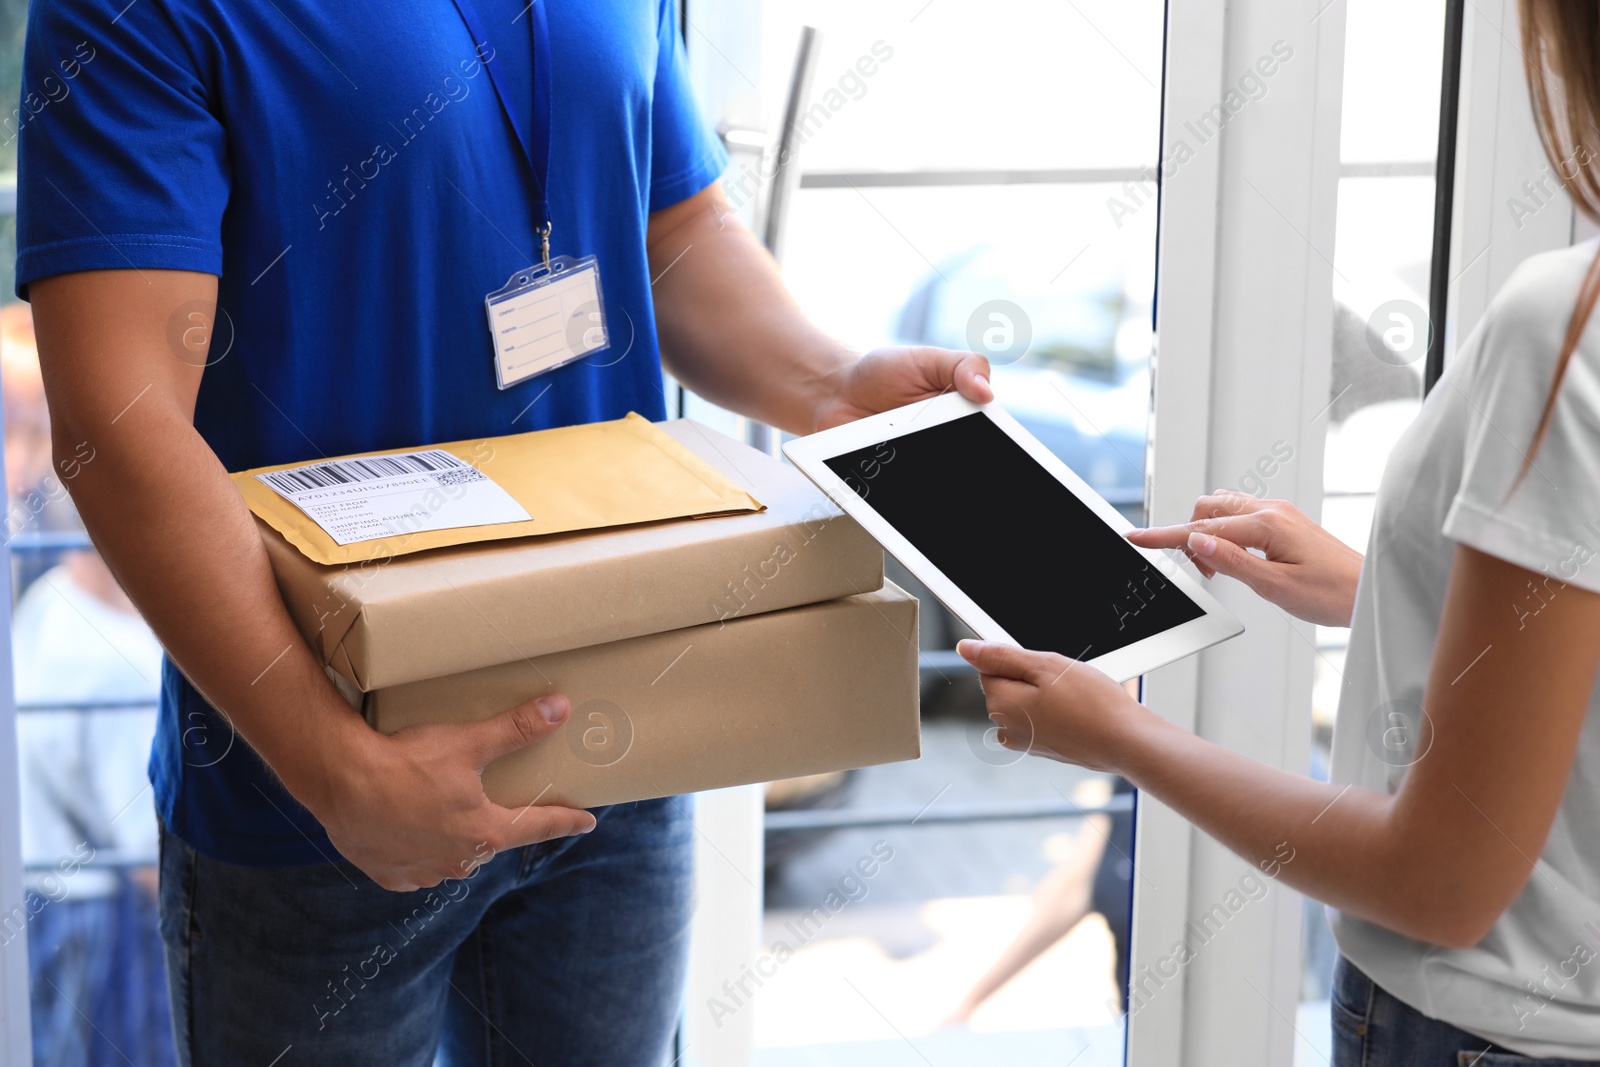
[953, 814]
[922, 178]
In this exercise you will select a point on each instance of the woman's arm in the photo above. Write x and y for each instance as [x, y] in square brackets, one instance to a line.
[1441, 859]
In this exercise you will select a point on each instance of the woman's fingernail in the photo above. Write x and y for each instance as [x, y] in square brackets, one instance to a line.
[1203, 544]
[984, 382]
[551, 708]
[968, 649]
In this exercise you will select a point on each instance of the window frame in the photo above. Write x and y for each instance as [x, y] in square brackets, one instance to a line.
[1229, 245]
[16, 1029]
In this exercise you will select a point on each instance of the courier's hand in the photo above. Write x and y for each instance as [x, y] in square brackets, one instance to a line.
[1306, 570]
[410, 810]
[1049, 705]
[888, 378]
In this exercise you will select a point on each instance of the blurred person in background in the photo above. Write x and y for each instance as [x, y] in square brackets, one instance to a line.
[1094, 877]
[36, 493]
[78, 645]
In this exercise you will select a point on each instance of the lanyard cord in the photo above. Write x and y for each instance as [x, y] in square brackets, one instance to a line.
[535, 142]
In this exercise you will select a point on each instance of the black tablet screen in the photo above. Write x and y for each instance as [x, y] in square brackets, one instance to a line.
[1014, 539]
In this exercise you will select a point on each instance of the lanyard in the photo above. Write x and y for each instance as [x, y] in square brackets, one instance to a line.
[535, 143]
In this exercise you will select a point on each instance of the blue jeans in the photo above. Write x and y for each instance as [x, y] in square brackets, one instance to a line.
[67, 961]
[1373, 1029]
[567, 954]
[96, 971]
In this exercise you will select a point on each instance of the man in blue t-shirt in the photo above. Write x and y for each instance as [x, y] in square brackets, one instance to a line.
[258, 233]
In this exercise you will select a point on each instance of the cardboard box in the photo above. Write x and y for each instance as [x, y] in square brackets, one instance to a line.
[776, 695]
[389, 622]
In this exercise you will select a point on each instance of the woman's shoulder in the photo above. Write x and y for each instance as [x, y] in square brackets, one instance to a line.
[1525, 490]
[1516, 345]
[1537, 300]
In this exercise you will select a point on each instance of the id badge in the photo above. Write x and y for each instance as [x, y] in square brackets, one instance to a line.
[544, 319]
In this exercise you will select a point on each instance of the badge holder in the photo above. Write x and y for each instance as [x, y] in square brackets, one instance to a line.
[546, 317]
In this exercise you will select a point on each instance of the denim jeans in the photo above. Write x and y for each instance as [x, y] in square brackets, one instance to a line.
[95, 966]
[567, 954]
[1373, 1029]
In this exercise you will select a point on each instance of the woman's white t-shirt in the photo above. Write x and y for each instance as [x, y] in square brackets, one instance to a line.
[1533, 984]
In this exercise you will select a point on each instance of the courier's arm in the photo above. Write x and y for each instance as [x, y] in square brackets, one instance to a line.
[122, 354]
[1439, 860]
[731, 332]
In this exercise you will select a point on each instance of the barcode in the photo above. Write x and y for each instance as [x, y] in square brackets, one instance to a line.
[464, 476]
[365, 469]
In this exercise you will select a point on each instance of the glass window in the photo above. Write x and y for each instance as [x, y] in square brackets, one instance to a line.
[998, 212]
[13, 18]
[87, 671]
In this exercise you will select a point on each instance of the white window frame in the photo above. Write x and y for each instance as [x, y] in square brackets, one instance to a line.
[16, 1031]
[1244, 341]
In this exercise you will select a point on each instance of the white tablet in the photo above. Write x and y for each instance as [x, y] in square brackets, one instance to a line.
[1009, 538]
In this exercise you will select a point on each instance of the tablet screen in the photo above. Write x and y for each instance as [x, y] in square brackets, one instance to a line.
[1014, 539]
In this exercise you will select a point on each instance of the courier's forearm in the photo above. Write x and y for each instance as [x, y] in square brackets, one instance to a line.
[171, 525]
[177, 535]
[729, 328]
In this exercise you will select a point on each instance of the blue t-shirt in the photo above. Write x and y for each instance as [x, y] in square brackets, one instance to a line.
[350, 172]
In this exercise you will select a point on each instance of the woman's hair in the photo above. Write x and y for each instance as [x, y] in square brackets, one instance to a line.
[1561, 57]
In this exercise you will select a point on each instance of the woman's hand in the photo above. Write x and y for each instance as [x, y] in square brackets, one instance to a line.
[1053, 706]
[1306, 570]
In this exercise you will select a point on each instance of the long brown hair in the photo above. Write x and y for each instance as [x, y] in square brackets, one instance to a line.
[1561, 57]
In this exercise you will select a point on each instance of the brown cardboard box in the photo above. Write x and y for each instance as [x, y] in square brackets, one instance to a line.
[776, 695]
[441, 612]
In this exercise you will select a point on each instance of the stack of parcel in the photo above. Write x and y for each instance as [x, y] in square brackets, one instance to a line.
[712, 617]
